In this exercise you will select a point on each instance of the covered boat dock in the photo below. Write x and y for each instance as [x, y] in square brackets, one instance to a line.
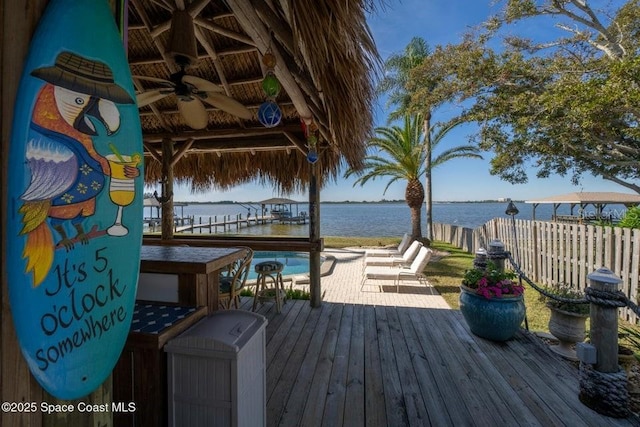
[582, 200]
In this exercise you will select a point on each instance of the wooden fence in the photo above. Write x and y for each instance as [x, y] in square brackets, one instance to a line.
[552, 253]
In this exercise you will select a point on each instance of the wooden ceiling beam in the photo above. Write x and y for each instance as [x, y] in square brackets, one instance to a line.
[262, 145]
[181, 152]
[239, 50]
[301, 146]
[222, 133]
[252, 24]
[147, 22]
[255, 106]
[280, 30]
[224, 31]
[153, 152]
[220, 151]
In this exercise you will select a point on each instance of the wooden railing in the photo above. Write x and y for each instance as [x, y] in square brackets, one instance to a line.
[552, 253]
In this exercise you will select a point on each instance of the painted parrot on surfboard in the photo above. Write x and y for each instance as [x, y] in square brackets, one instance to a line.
[66, 172]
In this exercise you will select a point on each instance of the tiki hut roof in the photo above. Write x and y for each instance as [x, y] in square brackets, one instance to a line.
[326, 62]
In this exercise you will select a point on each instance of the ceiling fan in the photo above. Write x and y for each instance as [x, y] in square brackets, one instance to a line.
[189, 90]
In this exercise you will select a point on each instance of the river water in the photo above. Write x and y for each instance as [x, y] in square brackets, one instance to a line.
[373, 219]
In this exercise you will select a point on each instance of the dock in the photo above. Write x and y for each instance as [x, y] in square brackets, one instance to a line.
[223, 223]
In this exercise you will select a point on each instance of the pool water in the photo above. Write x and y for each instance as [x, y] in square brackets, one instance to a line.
[294, 262]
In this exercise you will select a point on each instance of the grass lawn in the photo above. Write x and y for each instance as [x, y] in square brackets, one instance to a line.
[362, 242]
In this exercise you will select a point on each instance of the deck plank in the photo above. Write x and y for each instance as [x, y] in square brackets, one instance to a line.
[489, 375]
[283, 372]
[319, 387]
[416, 411]
[352, 365]
[354, 408]
[434, 402]
[306, 368]
[393, 398]
[375, 411]
[333, 411]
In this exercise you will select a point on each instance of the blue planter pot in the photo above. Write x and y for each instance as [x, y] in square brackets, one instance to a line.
[496, 319]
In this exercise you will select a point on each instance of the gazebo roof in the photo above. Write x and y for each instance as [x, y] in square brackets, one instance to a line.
[590, 198]
[326, 61]
[280, 201]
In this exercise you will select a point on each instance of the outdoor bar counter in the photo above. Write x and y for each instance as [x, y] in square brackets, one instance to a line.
[197, 269]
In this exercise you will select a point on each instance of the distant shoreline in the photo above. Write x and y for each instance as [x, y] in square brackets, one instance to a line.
[231, 202]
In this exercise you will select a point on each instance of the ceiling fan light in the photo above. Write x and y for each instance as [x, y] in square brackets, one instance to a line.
[182, 39]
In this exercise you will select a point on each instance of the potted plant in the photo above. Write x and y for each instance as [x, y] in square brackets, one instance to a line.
[568, 319]
[491, 302]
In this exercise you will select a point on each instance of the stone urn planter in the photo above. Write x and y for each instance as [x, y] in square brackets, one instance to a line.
[496, 319]
[630, 364]
[569, 328]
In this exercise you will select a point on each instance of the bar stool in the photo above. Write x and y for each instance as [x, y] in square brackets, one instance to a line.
[273, 271]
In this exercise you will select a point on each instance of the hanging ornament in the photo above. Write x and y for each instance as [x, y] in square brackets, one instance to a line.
[269, 113]
[312, 154]
[271, 85]
[311, 133]
[269, 59]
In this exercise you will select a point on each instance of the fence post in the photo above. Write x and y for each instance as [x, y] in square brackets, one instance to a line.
[603, 384]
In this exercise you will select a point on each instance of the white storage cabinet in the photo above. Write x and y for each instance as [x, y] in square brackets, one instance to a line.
[216, 372]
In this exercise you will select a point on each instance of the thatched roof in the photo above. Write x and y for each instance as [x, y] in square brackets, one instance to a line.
[326, 62]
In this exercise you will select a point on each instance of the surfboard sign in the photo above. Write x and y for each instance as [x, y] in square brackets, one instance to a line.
[75, 191]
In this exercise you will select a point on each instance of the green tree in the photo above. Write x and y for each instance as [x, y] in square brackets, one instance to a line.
[400, 154]
[398, 70]
[567, 106]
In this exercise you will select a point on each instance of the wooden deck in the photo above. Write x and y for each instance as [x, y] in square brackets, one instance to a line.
[356, 365]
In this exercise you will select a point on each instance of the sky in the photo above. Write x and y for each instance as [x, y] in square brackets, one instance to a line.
[438, 22]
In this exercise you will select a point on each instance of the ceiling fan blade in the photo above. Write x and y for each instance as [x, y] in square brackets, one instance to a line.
[202, 84]
[227, 104]
[146, 98]
[193, 113]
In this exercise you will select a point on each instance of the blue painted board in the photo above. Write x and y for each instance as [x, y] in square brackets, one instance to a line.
[75, 192]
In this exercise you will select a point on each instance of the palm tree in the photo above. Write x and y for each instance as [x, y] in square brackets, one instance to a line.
[404, 160]
[396, 76]
[402, 155]
[398, 69]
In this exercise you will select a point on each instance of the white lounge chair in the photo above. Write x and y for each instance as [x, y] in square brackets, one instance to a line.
[404, 244]
[413, 272]
[393, 261]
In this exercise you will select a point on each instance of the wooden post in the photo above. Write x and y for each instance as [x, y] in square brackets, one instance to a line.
[604, 322]
[100, 400]
[314, 237]
[536, 258]
[496, 254]
[603, 385]
[167, 189]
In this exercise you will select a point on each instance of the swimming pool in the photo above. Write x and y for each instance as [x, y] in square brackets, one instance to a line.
[294, 262]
